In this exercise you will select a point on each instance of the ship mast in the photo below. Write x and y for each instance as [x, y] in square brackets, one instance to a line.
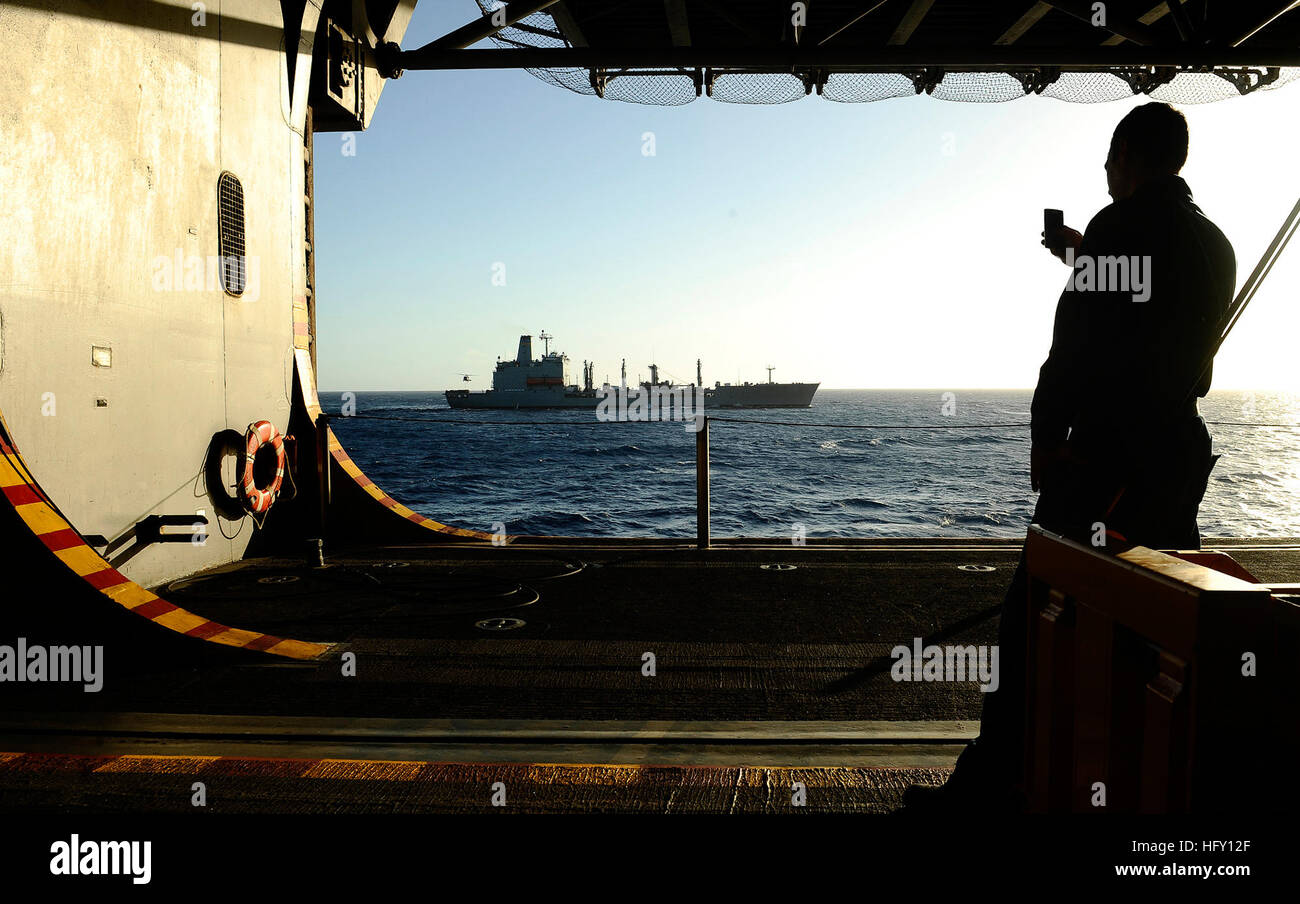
[699, 374]
[770, 368]
[546, 342]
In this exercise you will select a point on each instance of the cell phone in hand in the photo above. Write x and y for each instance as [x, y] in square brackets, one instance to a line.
[1053, 223]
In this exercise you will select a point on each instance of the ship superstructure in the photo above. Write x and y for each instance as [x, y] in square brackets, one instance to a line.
[526, 382]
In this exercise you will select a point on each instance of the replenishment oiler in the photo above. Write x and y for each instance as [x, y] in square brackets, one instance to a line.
[526, 382]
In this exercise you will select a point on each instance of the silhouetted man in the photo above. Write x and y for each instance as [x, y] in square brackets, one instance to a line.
[1117, 439]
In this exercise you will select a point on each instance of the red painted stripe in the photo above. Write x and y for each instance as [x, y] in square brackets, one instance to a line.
[56, 762]
[300, 328]
[62, 539]
[364, 481]
[418, 519]
[154, 608]
[388, 502]
[206, 630]
[107, 577]
[265, 642]
[23, 494]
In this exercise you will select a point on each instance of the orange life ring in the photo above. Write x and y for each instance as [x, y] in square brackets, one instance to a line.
[259, 500]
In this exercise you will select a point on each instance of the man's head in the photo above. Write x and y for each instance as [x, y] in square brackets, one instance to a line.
[1150, 141]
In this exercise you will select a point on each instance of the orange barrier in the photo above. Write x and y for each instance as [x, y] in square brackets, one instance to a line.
[1154, 684]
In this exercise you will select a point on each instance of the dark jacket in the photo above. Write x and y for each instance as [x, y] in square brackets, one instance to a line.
[1118, 376]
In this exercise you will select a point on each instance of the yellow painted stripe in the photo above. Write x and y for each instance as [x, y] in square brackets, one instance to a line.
[9, 476]
[152, 763]
[40, 517]
[366, 770]
[130, 595]
[16, 462]
[299, 649]
[82, 559]
[179, 620]
[235, 637]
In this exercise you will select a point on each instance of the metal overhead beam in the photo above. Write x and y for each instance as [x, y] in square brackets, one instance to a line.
[911, 19]
[885, 59]
[731, 19]
[484, 27]
[1024, 23]
[1150, 17]
[1154, 14]
[1132, 31]
[1186, 31]
[568, 25]
[678, 24]
[1286, 8]
[854, 21]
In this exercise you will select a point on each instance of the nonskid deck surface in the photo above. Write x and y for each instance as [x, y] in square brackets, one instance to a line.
[34, 783]
[757, 671]
[730, 639]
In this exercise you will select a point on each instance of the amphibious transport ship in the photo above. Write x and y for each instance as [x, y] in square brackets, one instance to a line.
[174, 493]
[526, 382]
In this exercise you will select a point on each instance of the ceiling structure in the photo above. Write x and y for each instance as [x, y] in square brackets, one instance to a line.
[775, 51]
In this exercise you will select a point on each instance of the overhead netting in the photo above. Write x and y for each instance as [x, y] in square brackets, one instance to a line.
[674, 87]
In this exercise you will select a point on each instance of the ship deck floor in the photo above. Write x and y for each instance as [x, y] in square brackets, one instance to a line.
[754, 667]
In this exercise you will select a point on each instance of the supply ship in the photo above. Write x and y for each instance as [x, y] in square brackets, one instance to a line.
[526, 382]
[273, 620]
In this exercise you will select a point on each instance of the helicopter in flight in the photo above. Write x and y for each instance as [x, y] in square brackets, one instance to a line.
[465, 377]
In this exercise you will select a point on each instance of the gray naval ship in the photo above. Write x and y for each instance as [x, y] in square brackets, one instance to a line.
[526, 382]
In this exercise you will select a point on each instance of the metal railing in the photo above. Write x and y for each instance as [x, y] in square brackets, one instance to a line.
[702, 461]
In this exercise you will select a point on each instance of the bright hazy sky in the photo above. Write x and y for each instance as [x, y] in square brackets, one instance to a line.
[838, 242]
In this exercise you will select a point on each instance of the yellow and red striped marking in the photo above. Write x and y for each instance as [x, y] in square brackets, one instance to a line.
[620, 780]
[36, 510]
[350, 468]
[307, 383]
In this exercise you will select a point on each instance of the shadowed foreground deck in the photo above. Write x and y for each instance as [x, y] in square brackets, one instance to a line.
[762, 677]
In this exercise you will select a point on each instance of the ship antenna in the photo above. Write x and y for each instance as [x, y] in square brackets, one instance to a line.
[770, 368]
[546, 341]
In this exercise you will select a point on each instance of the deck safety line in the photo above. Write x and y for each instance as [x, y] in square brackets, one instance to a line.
[311, 400]
[349, 467]
[36, 510]
[452, 771]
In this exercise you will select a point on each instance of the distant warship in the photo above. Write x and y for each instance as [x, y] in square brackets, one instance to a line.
[526, 382]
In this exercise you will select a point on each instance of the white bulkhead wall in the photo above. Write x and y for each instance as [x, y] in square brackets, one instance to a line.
[116, 130]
